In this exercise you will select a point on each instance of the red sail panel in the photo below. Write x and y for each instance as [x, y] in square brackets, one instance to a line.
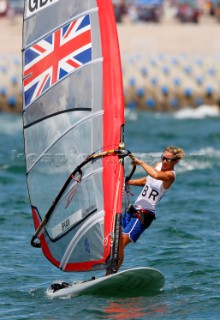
[113, 119]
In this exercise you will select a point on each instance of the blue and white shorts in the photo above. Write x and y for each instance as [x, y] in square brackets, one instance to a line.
[132, 226]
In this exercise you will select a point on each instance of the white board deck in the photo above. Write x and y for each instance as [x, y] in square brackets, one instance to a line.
[131, 282]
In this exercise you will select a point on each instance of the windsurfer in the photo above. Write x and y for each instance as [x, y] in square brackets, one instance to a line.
[140, 215]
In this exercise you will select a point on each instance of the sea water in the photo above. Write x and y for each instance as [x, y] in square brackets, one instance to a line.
[183, 242]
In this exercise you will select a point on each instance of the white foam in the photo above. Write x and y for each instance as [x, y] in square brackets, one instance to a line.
[199, 159]
[131, 115]
[10, 124]
[198, 113]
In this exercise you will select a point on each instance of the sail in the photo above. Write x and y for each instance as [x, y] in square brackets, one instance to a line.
[73, 116]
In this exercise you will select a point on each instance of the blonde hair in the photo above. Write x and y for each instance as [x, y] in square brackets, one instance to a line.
[177, 152]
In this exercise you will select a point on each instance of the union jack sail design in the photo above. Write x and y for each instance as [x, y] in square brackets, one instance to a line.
[54, 57]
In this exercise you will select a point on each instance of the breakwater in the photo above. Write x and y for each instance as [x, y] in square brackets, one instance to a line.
[163, 83]
[10, 83]
[171, 82]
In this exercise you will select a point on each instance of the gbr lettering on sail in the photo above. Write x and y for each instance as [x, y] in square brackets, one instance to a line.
[33, 6]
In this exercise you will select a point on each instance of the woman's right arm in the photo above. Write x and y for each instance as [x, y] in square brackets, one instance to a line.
[138, 182]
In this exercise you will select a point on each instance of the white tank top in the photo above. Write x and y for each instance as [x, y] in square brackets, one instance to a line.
[152, 193]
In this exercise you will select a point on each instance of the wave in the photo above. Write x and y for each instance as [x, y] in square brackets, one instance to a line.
[13, 167]
[131, 115]
[10, 124]
[200, 159]
[201, 112]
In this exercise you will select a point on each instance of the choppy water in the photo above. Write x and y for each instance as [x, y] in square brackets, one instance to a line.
[183, 242]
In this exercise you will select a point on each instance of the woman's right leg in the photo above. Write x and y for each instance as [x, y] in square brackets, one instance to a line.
[124, 240]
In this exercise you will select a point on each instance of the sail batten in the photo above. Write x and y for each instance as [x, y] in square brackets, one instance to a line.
[73, 117]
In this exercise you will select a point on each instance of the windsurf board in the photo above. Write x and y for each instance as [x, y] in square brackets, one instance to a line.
[132, 282]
